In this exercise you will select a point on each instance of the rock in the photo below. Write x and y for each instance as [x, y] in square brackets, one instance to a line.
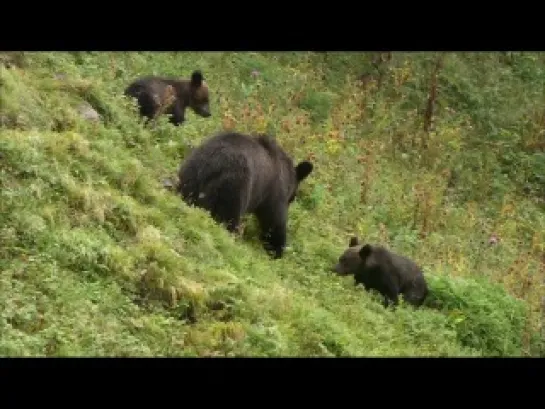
[168, 183]
[87, 112]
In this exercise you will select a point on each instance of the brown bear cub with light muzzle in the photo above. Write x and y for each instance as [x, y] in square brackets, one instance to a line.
[388, 273]
[170, 96]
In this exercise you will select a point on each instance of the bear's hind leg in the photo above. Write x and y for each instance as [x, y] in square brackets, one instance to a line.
[226, 206]
[147, 106]
[231, 221]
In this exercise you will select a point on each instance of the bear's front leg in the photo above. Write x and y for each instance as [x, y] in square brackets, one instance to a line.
[389, 288]
[273, 229]
[275, 241]
[393, 302]
[177, 114]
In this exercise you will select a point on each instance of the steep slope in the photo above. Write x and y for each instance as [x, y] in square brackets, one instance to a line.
[98, 258]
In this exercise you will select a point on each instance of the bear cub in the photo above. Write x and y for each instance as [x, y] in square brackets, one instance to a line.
[170, 96]
[232, 174]
[384, 271]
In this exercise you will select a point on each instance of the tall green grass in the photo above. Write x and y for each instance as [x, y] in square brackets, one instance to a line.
[99, 259]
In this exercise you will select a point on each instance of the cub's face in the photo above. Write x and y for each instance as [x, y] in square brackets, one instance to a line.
[353, 257]
[198, 95]
[349, 262]
[199, 102]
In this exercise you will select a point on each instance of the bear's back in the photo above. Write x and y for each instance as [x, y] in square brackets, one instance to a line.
[154, 84]
[393, 261]
[231, 144]
[229, 153]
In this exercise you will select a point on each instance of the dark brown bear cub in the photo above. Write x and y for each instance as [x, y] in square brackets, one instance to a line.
[388, 273]
[232, 174]
[170, 96]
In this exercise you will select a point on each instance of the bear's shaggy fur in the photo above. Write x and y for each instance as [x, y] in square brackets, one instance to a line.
[232, 174]
[384, 271]
[170, 96]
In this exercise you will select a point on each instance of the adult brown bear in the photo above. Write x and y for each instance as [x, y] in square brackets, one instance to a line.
[232, 174]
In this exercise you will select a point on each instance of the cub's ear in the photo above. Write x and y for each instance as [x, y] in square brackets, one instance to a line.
[302, 170]
[353, 241]
[196, 79]
[366, 251]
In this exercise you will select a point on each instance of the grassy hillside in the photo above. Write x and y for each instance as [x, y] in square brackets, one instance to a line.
[97, 258]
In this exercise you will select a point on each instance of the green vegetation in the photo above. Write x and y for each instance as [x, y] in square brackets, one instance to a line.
[97, 258]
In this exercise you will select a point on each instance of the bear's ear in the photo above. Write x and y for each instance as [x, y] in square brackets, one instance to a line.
[365, 251]
[196, 79]
[302, 170]
[353, 241]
